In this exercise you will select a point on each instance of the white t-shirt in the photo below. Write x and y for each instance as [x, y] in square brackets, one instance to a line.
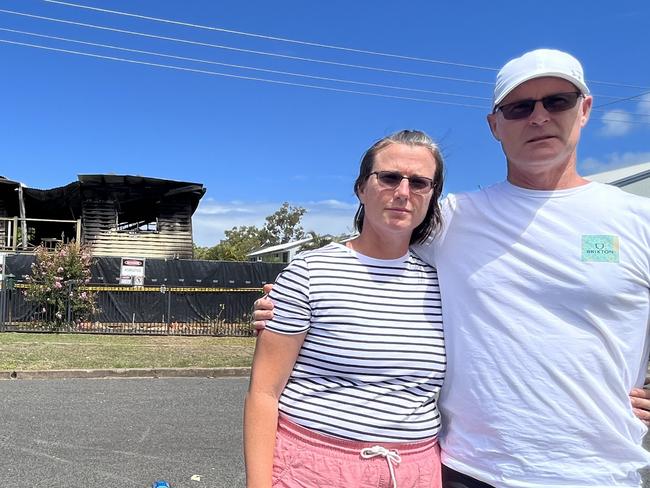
[373, 359]
[546, 304]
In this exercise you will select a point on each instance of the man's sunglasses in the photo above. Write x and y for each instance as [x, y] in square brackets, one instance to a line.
[392, 179]
[559, 102]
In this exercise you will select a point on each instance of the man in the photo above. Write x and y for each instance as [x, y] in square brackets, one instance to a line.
[545, 282]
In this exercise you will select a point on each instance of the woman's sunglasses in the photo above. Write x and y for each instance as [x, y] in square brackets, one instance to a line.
[392, 179]
[559, 102]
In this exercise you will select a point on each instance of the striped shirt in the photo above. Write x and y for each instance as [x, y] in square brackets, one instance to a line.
[373, 359]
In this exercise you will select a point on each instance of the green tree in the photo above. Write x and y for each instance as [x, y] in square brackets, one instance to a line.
[283, 226]
[317, 240]
[320, 240]
[238, 243]
[199, 252]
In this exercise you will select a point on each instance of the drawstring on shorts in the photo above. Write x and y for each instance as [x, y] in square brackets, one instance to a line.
[392, 458]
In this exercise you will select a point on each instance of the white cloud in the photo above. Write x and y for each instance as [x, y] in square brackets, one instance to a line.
[613, 161]
[616, 122]
[643, 106]
[212, 218]
[334, 204]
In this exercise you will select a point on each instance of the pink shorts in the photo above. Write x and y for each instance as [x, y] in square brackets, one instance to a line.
[306, 459]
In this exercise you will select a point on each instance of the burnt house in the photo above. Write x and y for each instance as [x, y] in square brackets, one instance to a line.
[117, 215]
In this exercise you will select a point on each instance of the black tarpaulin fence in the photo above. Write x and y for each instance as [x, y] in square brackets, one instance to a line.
[170, 272]
[179, 297]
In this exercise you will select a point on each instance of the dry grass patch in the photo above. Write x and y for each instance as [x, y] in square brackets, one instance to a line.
[22, 351]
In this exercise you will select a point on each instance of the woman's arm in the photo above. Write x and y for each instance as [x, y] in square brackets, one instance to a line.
[275, 355]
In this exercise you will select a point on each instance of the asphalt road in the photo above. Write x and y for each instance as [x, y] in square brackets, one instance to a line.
[124, 433]
[121, 433]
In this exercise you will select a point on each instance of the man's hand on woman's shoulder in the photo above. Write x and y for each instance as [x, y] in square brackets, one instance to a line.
[263, 310]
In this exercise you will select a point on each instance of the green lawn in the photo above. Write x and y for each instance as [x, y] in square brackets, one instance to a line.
[23, 351]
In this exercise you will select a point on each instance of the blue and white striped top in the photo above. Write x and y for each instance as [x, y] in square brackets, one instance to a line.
[373, 359]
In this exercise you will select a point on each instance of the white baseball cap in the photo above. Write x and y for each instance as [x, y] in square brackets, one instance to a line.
[537, 64]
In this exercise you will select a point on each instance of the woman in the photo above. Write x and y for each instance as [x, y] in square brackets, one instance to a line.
[344, 382]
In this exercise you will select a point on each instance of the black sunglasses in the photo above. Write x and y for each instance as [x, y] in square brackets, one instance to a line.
[392, 179]
[558, 102]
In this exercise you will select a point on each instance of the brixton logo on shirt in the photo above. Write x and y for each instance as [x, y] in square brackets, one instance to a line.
[600, 249]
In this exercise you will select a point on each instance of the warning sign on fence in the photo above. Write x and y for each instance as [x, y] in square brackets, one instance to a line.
[132, 271]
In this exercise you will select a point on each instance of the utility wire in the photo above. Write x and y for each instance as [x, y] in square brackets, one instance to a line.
[265, 53]
[187, 41]
[278, 82]
[250, 51]
[253, 68]
[624, 85]
[288, 73]
[304, 43]
[626, 99]
[617, 100]
[215, 73]
[272, 38]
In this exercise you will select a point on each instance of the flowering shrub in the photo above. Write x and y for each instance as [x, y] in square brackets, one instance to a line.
[56, 282]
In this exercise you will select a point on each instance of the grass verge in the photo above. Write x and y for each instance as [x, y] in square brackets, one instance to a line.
[30, 352]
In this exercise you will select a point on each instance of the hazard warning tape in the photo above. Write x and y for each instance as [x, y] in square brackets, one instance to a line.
[158, 289]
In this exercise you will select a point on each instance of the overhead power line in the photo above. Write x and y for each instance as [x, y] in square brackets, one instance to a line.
[301, 75]
[253, 68]
[227, 75]
[265, 53]
[272, 38]
[265, 80]
[238, 66]
[622, 85]
[338, 80]
[305, 43]
[633, 97]
[250, 51]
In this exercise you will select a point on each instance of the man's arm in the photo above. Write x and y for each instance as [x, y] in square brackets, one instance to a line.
[640, 398]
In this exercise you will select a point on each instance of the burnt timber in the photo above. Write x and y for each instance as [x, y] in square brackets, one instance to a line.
[116, 215]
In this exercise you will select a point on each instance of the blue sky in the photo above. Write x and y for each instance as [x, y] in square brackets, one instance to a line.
[256, 144]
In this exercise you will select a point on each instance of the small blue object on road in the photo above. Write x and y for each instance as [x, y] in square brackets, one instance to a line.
[160, 484]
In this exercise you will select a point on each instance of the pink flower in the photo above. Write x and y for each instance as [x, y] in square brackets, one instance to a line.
[58, 284]
[59, 270]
